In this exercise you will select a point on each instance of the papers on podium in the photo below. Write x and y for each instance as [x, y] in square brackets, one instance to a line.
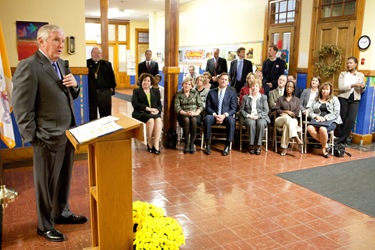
[94, 129]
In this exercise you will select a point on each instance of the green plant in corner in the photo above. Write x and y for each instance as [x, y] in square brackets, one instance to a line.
[326, 51]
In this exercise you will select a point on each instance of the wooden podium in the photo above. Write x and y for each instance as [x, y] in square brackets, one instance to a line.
[110, 184]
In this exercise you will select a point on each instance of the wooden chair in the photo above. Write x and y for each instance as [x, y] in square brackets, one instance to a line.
[308, 140]
[245, 137]
[277, 130]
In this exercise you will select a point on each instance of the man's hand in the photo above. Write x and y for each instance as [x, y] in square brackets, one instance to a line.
[69, 81]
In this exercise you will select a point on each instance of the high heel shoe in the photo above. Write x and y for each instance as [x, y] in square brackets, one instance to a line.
[149, 149]
[325, 155]
[156, 151]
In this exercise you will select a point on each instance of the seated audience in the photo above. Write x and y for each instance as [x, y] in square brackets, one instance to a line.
[221, 105]
[207, 80]
[273, 95]
[147, 108]
[287, 111]
[297, 91]
[325, 110]
[199, 86]
[254, 110]
[188, 106]
[245, 90]
[310, 94]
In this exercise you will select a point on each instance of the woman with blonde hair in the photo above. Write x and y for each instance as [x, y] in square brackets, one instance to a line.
[188, 106]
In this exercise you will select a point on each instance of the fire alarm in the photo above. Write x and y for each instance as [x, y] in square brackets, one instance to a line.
[362, 61]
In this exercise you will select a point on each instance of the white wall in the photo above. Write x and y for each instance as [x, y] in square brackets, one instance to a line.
[211, 22]
[368, 29]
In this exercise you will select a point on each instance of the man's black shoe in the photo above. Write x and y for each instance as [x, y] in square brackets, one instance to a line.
[257, 152]
[226, 151]
[73, 219]
[207, 149]
[51, 235]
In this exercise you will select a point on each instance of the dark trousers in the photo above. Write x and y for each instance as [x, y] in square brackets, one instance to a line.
[103, 102]
[348, 113]
[229, 123]
[52, 177]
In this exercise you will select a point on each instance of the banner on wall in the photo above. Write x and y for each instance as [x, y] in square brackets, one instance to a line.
[26, 38]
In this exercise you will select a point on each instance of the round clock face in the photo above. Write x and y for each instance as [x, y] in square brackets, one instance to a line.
[364, 42]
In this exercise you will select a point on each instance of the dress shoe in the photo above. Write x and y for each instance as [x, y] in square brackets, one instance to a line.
[149, 149]
[156, 151]
[72, 219]
[257, 152]
[51, 235]
[226, 151]
[207, 149]
[252, 151]
[192, 148]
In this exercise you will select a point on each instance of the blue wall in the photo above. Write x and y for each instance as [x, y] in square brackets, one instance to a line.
[81, 110]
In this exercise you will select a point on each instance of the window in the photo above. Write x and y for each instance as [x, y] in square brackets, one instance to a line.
[282, 11]
[337, 8]
[143, 37]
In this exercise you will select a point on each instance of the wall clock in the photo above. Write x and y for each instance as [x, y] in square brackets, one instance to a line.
[364, 42]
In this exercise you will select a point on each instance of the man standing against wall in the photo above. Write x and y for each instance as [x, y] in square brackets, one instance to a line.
[239, 68]
[272, 68]
[148, 66]
[102, 85]
[216, 66]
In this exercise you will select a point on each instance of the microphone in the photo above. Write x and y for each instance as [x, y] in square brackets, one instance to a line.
[66, 67]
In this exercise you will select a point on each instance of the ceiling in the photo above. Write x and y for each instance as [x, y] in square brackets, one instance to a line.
[132, 10]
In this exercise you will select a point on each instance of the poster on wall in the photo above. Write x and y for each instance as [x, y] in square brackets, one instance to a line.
[26, 38]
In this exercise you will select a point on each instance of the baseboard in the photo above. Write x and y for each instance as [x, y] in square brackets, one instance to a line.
[363, 139]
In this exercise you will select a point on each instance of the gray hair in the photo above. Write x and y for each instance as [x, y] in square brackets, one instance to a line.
[45, 30]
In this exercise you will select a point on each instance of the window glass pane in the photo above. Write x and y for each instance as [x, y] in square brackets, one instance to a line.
[282, 17]
[325, 2]
[291, 4]
[282, 6]
[337, 10]
[110, 55]
[111, 32]
[286, 40]
[349, 8]
[275, 38]
[337, 1]
[290, 16]
[122, 58]
[122, 33]
[326, 11]
[92, 31]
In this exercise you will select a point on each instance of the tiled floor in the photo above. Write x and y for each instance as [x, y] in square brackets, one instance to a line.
[233, 202]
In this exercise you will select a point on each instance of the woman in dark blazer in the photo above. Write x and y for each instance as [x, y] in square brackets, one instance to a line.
[147, 108]
[254, 110]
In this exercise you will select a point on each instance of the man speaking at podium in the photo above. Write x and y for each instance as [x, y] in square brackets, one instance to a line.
[43, 94]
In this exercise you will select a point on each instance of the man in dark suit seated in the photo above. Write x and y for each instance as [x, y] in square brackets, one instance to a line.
[297, 91]
[148, 66]
[221, 105]
[216, 66]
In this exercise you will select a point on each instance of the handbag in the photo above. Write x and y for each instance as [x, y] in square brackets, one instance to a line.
[315, 123]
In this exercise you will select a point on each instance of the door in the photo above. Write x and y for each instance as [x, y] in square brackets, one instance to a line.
[284, 39]
[340, 34]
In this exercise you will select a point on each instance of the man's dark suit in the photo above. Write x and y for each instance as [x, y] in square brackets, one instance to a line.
[154, 68]
[100, 89]
[247, 67]
[43, 109]
[212, 106]
[271, 71]
[221, 67]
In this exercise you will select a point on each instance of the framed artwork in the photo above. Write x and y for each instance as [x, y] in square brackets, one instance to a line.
[27, 38]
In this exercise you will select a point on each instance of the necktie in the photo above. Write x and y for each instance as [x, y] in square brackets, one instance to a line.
[215, 65]
[148, 66]
[280, 92]
[221, 97]
[56, 70]
[239, 70]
